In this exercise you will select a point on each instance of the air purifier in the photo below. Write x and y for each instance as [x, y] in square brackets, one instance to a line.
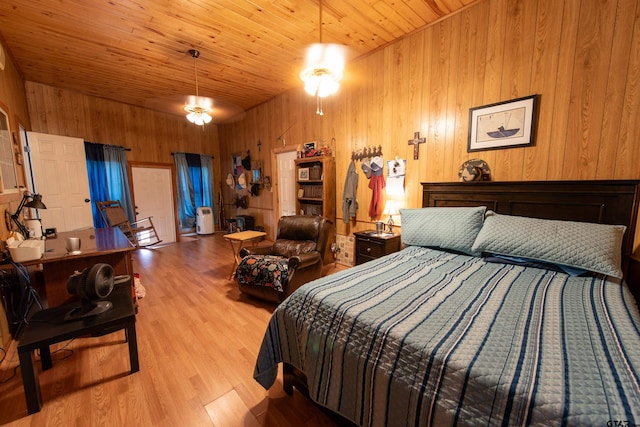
[204, 220]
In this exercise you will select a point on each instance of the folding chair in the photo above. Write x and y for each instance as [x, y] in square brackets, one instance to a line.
[140, 233]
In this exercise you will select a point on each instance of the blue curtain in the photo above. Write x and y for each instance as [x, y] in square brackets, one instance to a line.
[186, 207]
[194, 174]
[108, 178]
[193, 160]
[208, 197]
[117, 171]
[98, 188]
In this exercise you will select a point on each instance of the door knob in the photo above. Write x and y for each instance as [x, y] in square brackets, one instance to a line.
[87, 200]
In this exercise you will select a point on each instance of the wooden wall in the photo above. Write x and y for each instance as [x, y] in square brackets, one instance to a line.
[581, 56]
[14, 102]
[152, 136]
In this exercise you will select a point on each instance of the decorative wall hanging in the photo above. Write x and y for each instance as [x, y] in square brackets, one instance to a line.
[416, 141]
[474, 170]
[395, 177]
[237, 163]
[230, 181]
[503, 125]
[246, 161]
[366, 153]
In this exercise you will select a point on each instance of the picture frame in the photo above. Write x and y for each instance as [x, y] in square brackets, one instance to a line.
[237, 163]
[300, 193]
[303, 174]
[506, 124]
[256, 176]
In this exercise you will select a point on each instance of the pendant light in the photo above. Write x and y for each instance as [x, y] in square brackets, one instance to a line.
[197, 111]
[324, 65]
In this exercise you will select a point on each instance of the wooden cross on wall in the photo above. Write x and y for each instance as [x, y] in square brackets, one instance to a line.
[416, 147]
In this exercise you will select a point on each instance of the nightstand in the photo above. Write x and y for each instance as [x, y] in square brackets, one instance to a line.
[371, 245]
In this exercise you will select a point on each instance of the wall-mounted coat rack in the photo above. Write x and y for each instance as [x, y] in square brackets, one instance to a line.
[366, 153]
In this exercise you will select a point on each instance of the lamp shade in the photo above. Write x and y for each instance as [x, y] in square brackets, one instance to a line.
[390, 208]
[323, 70]
[36, 202]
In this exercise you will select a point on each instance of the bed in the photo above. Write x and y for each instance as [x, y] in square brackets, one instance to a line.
[507, 305]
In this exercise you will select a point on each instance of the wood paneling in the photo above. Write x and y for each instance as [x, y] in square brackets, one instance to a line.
[151, 136]
[135, 51]
[581, 57]
[14, 102]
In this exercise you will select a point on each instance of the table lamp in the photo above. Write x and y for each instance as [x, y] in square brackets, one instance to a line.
[391, 209]
[28, 201]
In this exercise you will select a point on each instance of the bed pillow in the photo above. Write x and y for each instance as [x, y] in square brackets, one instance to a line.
[593, 247]
[528, 262]
[452, 228]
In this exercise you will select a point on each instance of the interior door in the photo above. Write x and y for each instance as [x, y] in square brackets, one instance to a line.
[59, 174]
[287, 182]
[153, 197]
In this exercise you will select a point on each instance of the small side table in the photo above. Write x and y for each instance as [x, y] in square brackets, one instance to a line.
[237, 240]
[48, 327]
[371, 245]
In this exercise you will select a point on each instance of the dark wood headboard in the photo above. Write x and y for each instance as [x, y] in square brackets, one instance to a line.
[604, 202]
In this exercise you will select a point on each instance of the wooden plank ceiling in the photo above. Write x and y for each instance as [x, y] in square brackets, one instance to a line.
[136, 51]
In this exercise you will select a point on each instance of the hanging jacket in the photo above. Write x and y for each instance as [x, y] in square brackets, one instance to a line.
[349, 200]
[376, 184]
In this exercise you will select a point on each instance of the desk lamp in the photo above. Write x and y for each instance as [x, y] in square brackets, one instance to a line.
[28, 201]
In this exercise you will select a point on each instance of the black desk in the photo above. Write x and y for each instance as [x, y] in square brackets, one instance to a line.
[46, 327]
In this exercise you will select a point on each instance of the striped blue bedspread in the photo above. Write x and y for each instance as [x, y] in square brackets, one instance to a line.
[423, 337]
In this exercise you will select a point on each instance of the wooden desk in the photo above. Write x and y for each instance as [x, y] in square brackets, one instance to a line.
[237, 239]
[101, 245]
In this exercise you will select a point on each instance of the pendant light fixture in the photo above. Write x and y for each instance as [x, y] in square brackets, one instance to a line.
[198, 112]
[324, 65]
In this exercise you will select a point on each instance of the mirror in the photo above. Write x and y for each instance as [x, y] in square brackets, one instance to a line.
[8, 177]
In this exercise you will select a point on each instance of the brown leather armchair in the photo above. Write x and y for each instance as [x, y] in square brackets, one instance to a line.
[298, 250]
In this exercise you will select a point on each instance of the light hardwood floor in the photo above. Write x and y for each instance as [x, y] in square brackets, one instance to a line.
[198, 338]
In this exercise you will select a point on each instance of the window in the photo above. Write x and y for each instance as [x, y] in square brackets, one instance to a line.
[8, 177]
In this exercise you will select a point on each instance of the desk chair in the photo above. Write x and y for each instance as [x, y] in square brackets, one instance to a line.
[140, 233]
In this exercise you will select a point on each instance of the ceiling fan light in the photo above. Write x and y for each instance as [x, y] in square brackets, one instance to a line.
[198, 115]
[328, 55]
[198, 108]
[320, 81]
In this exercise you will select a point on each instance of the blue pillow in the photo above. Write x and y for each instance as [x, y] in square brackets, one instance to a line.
[452, 228]
[589, 246]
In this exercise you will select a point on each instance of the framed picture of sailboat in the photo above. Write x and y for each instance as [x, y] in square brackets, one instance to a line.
[505, 124]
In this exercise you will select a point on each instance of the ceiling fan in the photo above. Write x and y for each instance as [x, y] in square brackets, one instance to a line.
[199, 110]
